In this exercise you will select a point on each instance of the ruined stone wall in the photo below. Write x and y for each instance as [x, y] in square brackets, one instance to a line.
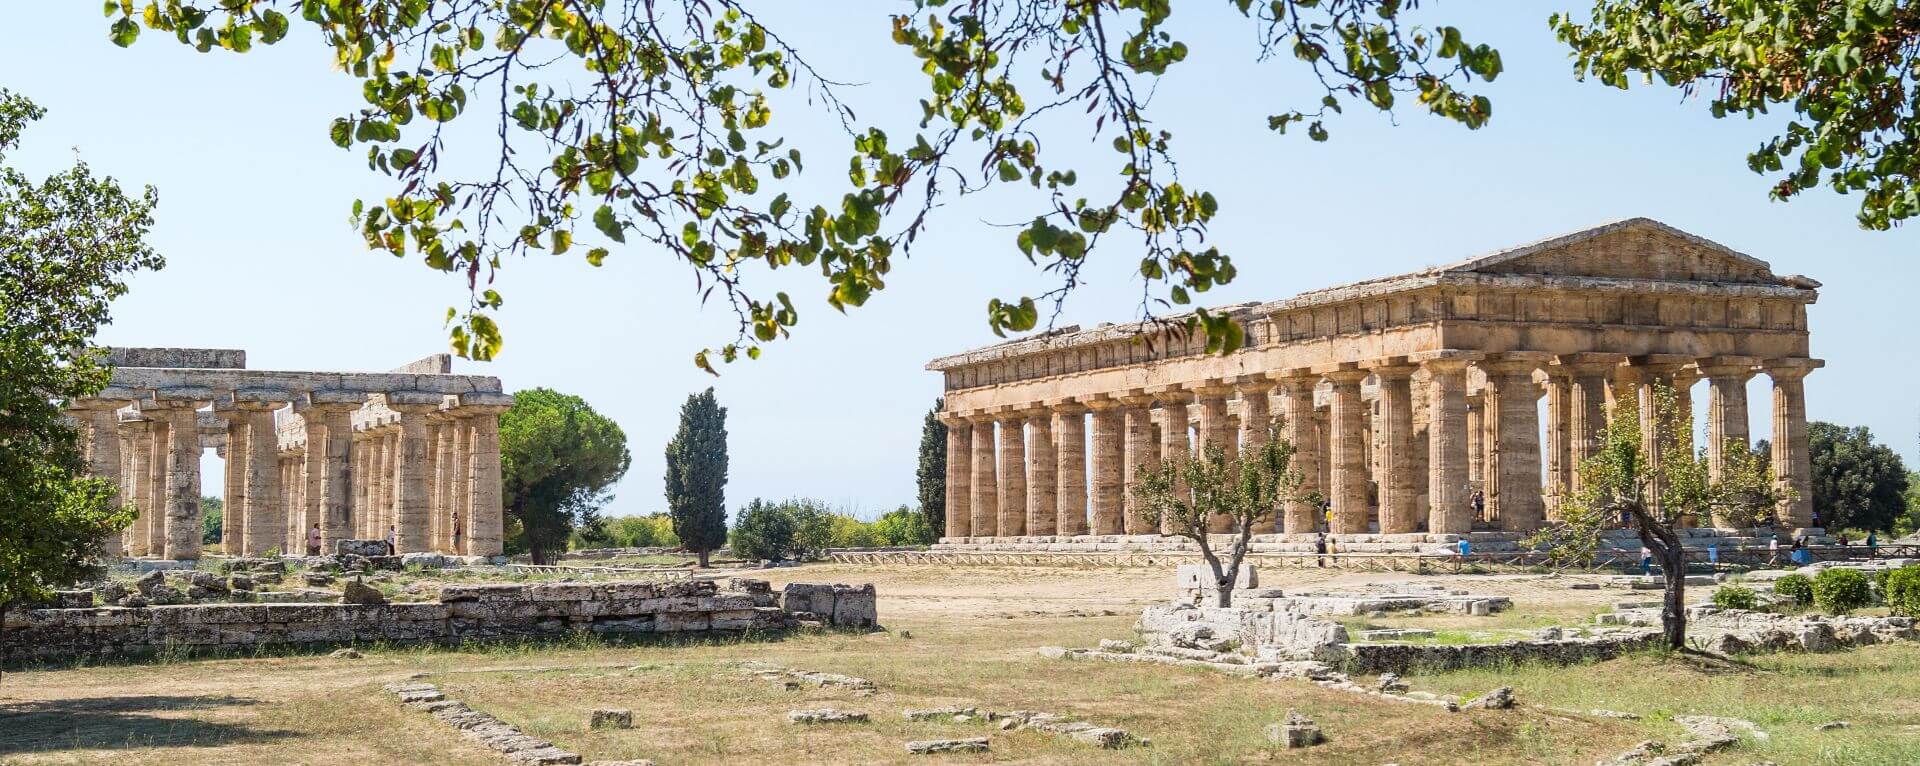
[463, 613]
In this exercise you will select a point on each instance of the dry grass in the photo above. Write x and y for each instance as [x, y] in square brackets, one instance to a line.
[973, 631]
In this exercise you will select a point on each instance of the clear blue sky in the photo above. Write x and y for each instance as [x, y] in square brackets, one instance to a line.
[254, 202]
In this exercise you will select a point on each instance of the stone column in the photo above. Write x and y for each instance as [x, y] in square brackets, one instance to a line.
[1586, 412]
[159, 446]
[1216, 428]
[1013, 475]
[1683, 380]
[137, 485]
[1559, 441]
[1299, 516]
[1449, 495]
[1394, 431]
[233, 509]
[959, 469]
[1043, 491]
[265, 514]
[1513, 468]
[334, 411]
[1726, 411]
[1256, 422]
[313, 475]
[1792, 463]
[183, 527]
[386, 518]
[1476, 441]
[1142, 455]
[986, 484]
[487, 518]
[438, 439]
[414, 483]
[102, 424]
[1346, 446]
[1070, 467]
[460, 504]
[1107, 506]
[1175, 444]
[361, 454]
[1647, 378]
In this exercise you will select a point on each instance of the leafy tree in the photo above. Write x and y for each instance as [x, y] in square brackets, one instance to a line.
[654, 530]
[903, 526]
[812, 526]
[1856, 482]
[1184, 494]
[1909, 522]
[1795, 586]
[558, 457]
[1620, 480]
[212, 517]
[1845, 70]
[654, 121]
[763, 531]
[697, 475]
[931, 474]
[67, 243]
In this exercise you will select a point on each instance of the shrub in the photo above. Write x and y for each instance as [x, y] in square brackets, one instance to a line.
[812, 526]
[1796, 587]
[1839, 590]
[1736, 597]
[650, 531]
[849, 532]
[763, 531]
[1903, 591]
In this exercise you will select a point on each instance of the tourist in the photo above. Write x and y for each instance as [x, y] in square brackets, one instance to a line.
[1466, 547]
[1320, 548]
[313, 541]
[1873, 543]
[456, 532]
[1646, 561]
[1713, 555]
[1479, 504]
[1773, 551]
[391, 538]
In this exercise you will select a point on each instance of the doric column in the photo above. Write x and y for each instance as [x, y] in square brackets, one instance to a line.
[137, 487]
[1726, 408]
[439, 438]
[362, 458]
[265, 512]
[1586, 408]
[1013, 474]
[101, 421]
[1043, 507]
[1142, 455]
[1559, 441]
[1256, 422]
[1449, 506]
[333, 409]
[959, 470]
[486, 517]
[1070, 466]
[1513, 467]
[986, 480]
[313, 474]
[460, 504]
[1346, 446]
[1216, 428]
[1393, 429]
[159, 446]
[183, 525]
[1175, 444]
[1299, 516]
[1683, 380]
[1647, 376]
[233, 506]
[1108, 503]
[414, 489]
[1476, 440]
[1792, 463]
[389, 481]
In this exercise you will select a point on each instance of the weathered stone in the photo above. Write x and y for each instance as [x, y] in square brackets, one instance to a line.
[1498, 699]
[825, 715]
[345, 654]
[931, 714]
[1295, 731]
[356, 592]
[610, 718]
[967, 745]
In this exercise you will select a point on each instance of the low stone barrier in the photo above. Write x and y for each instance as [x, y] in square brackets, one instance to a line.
[463, 613]
[1401, 658]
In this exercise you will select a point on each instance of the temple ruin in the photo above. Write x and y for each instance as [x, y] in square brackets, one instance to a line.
[1405, 396]
[416, 449]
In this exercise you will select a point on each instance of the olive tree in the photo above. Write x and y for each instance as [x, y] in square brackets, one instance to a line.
[1187, 494]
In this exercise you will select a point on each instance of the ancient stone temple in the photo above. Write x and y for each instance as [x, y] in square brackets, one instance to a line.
[415, 450]
[1415, 401]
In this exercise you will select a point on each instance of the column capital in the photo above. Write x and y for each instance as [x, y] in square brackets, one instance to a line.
[1253, 384]
[1064, 406]
[1568, 365]
[1211, 388]
[1136, 398]
[1295, 379]
[1101, 402]
[1390, 367]
[1340, 372]
[1445, 365]
[1463, 355]
[1725, 367]
[186, 397]
[1169, 395]
[948, 418]
[1791, 368]
[1659, 364]
[485, 403]
[1513, 363]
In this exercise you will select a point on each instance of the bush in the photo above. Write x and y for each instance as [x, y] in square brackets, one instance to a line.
[1903, 591]
[650, 531]
[1736, 597]
[1796, 587]
[812, 527]
[1839, 590]
[849, 532]
[762, 531]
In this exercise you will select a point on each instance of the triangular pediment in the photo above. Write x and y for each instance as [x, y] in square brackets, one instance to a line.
[1637, 248]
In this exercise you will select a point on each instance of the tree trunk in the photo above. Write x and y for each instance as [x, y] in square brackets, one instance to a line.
[4, 606]
[703, 559]
[1673, 607]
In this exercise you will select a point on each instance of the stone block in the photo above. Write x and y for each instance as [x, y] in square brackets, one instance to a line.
[610, 718]
[1296, 731]
[965, 745]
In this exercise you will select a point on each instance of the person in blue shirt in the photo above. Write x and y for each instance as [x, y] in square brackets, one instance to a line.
[1466, 547]
[1713, 554]
[1873, 543]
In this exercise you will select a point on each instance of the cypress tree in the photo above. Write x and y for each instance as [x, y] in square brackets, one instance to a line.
[932, 472]
[697, 475]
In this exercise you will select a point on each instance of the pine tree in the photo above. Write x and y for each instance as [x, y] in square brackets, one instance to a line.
[697, 475]
[932, 472]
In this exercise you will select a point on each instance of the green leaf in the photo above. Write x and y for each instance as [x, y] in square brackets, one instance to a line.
[596, 256]
[341, 132]
[125, 32]
[604, 220]
[273, 26]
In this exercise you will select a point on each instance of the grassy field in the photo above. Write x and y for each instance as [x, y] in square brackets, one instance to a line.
[958, 636]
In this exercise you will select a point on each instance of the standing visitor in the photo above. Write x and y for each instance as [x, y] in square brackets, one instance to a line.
[392, 537]
[1873, 543]
[313, 541]
[1646, 561]
[1773, 552]
[1320, 548]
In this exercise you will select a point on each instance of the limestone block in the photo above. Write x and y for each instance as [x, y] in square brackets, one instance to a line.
[855, 606]
[967, 745]
[610, 718]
